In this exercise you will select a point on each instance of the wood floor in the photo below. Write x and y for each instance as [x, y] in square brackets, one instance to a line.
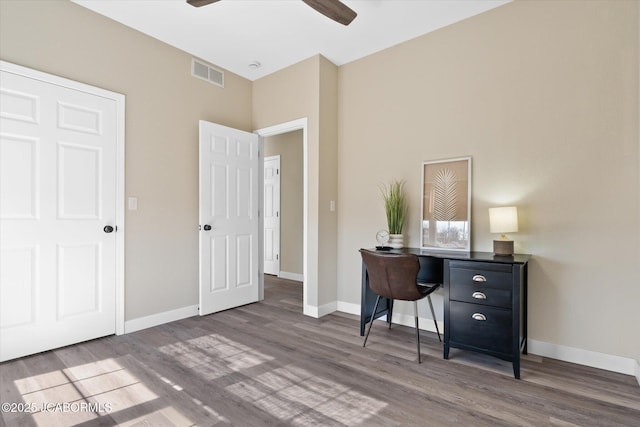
[266, 364]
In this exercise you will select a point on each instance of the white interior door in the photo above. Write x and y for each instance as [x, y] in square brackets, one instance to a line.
[58, 198]
[229, 173]
[272, 215]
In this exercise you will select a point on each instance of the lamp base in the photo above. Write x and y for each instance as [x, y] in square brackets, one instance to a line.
[503, 247]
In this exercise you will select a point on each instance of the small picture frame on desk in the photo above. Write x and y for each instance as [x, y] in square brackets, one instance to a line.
[446, 205]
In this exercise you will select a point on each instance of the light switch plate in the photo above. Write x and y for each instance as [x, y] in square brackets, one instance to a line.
[133, 203]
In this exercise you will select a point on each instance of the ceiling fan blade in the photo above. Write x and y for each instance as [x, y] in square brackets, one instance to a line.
[333, 9]
[198, 3]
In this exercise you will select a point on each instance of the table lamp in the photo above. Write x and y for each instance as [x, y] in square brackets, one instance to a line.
[503, 220]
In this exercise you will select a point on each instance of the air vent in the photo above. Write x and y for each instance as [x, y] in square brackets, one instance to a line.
[204, 71]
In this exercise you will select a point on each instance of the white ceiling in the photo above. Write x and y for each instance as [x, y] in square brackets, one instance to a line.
[277, 33]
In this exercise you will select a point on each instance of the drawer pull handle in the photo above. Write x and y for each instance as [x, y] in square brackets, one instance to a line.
[479, 316]
[479, 278]
[479, 295]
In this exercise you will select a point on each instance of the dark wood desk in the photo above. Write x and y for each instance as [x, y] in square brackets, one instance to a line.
[485, 301]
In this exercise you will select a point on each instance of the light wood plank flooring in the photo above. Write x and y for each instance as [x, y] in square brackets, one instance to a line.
[266, 364]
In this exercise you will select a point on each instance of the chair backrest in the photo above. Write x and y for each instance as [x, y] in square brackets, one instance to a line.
[393, 275]
[431, 270]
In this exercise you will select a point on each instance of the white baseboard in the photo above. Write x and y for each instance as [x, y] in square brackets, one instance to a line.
[425, 324]
[310, 310]
[325, 309]
[159, 318]
[398, 318]
[609, 362]
[291, 276]
[347, 307]
[579, 356]
[317, 312]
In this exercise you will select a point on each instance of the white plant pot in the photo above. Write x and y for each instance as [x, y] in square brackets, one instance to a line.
[396, 241]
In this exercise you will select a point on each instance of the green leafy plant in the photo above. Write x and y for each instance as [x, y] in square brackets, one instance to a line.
[395, 205]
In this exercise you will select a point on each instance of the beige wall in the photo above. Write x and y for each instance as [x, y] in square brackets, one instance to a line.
[328, 191]
[289, 147]
[544, 97]
[290, 94]
[163, 106]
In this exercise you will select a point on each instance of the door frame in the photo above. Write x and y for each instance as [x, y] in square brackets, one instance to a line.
[293, 125]
[120, 157]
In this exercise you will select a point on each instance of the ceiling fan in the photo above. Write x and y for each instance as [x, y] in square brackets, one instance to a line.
[333, 9]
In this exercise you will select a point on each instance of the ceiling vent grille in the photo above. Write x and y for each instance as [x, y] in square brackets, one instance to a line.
[204, 71]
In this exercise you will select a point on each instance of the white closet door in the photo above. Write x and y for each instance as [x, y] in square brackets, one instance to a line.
[57, 215]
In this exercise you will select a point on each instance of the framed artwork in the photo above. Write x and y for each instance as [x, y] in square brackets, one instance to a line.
[446, 204]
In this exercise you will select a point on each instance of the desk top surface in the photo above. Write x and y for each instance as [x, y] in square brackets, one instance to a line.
[468, 256]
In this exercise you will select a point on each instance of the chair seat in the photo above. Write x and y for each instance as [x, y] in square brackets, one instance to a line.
[397, 277]
[427, 288]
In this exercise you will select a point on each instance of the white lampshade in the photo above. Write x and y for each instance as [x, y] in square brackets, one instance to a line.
[503, 220]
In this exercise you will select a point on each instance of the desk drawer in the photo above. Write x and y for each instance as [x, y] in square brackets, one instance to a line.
[484, 274]
[487, 328]
[478, 294]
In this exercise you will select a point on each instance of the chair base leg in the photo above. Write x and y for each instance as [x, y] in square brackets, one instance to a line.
[415, 312]
[433, 315]
[373, 314]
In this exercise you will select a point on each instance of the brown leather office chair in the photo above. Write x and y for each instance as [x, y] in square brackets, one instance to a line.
[395, 276]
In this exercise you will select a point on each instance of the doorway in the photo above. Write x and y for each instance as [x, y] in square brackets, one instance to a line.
[298, 130]
[284, 205]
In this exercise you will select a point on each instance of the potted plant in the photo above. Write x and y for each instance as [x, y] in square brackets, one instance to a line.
[395, 206]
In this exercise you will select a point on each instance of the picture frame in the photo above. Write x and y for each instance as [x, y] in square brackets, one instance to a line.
[446, 205]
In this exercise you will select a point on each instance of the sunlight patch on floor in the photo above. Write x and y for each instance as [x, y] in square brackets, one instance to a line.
[214, 356]
[198, 402]
[85, 392]
[290, 394]
[295, 395]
